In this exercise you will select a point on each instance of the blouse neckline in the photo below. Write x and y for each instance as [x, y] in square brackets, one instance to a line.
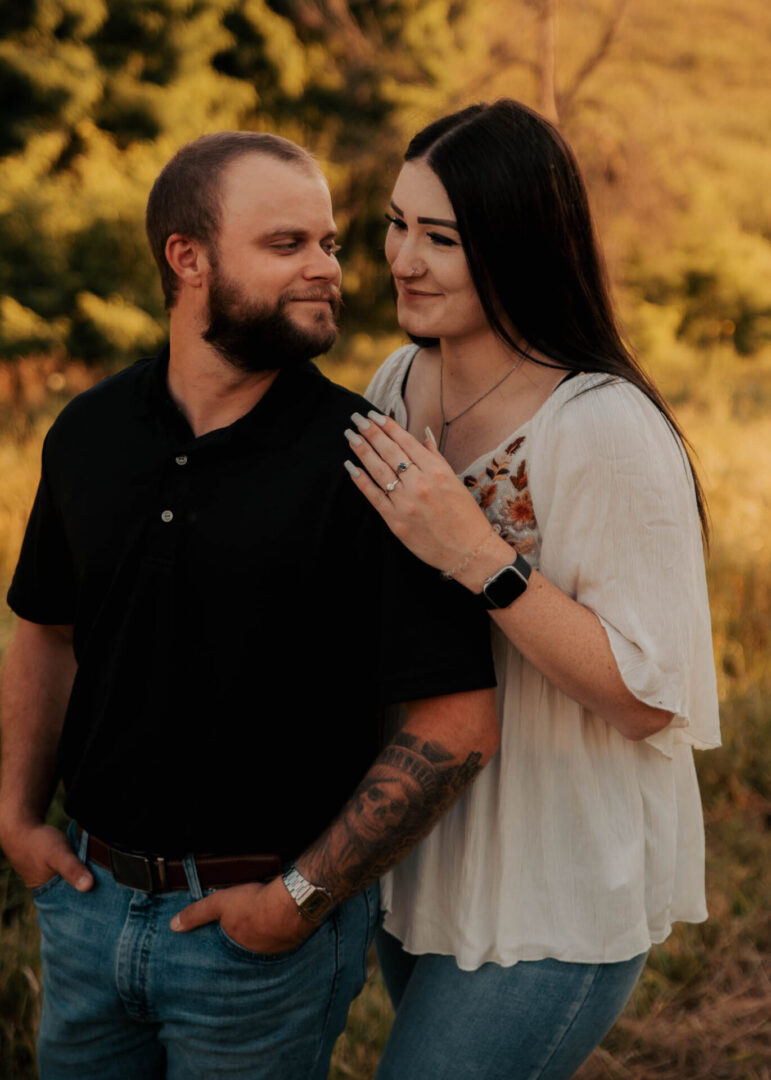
[401, 384]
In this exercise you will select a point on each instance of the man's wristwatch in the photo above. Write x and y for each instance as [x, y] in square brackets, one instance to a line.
[507, 585]
[313, 901]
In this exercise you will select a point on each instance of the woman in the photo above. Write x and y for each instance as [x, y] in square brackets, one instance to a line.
[559, 491]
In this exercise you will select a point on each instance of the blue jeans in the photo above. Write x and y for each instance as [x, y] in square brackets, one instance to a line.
[126, 998]
[536, 1020]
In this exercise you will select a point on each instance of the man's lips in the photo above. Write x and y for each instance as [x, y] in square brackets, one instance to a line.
[325, 297]
[329, 296]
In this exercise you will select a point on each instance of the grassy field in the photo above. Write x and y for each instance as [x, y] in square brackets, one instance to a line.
[702, 1008]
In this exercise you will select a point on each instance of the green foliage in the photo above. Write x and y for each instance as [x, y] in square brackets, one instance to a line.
[102, 94]
[21, 330]
[664, 112]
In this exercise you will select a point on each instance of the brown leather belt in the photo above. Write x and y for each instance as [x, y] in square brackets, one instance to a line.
[154, 873]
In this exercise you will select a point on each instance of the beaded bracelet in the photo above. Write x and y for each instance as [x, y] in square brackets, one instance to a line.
[448, 575]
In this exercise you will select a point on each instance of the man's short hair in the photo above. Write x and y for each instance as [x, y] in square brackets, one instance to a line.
[186, 197]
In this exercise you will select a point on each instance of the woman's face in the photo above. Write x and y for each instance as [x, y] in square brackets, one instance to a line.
[436, 296]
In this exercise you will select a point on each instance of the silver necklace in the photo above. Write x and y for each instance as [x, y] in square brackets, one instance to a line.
[445, 422]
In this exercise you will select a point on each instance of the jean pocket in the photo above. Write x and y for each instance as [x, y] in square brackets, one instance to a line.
[235, 948]
[41, 890]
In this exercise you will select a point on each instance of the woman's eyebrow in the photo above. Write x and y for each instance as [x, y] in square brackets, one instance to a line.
[437, 221]
[427, 220]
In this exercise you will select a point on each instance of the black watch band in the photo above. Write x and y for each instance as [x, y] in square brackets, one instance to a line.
[507, 585]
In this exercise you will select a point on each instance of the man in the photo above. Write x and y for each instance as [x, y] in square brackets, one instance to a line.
[211, 619]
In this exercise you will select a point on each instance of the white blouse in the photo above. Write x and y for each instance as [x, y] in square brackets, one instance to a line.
[575, 842]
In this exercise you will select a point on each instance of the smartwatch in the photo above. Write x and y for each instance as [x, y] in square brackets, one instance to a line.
[313, 901]
[507, 585]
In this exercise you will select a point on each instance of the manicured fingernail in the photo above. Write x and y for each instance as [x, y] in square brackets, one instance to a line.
[352, 437]
[351, 468]
[176, 923]
[431, 435]
[377, 417]
[359, 421]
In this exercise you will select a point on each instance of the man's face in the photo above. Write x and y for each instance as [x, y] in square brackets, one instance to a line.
[274, 279]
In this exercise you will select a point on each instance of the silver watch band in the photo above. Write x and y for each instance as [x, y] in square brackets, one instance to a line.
[313, 901]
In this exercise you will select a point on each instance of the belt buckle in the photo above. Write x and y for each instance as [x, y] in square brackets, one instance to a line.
[132, 870]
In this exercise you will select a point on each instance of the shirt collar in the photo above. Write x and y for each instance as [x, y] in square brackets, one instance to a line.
[275, 421]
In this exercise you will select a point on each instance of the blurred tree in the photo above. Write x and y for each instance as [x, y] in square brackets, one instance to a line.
[667, 109]
[669, 112]
[100, 95]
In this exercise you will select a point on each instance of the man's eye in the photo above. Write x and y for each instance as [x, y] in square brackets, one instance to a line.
[332, 249]
[286, 245]
[398, 223]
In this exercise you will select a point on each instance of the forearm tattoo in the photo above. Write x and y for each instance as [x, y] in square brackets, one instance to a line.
[409, 786]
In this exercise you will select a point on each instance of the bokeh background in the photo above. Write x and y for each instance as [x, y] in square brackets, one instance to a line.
[668, 106]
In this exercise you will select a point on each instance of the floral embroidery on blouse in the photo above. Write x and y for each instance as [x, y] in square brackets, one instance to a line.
[501, 491]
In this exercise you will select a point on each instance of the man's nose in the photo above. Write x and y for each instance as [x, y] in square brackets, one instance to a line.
[322, 266]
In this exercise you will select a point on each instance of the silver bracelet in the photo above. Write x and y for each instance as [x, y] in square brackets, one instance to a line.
[448, 575]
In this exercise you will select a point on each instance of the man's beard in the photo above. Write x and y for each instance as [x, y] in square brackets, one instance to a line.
[257, 337]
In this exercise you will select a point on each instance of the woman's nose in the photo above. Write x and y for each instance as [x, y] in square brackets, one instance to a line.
[407, 264]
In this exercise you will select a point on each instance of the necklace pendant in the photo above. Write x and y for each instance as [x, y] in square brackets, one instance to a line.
[446, 423]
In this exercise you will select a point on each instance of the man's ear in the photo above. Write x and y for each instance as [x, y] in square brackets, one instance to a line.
[188, 259]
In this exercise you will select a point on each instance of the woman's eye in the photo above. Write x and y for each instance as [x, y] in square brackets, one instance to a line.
[398, 223]
[441, 240]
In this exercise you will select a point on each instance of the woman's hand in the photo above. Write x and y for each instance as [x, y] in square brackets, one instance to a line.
[425, 505]
[438, 519]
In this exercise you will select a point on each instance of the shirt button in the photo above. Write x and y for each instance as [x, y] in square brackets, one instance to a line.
[167, 515]
[181, 459]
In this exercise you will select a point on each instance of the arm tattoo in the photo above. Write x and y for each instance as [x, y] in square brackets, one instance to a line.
[406, 790]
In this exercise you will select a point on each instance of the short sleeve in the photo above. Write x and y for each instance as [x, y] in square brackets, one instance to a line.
[43, 589]
[614, 498]
[434, 636]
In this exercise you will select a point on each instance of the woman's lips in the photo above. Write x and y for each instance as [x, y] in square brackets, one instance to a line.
[411, 294]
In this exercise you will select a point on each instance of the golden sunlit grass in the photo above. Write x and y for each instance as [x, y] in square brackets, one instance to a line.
[702, 1008]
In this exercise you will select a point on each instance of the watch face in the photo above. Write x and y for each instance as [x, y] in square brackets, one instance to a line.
[317, 904]
[505, 587]
[313, 901]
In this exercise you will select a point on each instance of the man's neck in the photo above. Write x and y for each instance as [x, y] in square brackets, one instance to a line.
[208, 390]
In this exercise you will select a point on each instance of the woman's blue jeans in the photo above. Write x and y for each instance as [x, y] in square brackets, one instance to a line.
[535, 1020]
[127, 998]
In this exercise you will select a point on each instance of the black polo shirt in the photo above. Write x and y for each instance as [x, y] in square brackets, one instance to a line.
[241, 615]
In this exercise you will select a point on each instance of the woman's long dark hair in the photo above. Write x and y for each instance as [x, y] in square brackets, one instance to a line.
[524, 220]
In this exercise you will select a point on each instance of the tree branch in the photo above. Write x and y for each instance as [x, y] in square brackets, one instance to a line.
[566, 98]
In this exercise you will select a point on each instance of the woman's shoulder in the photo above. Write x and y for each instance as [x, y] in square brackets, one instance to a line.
[598, 410]
[387, 381]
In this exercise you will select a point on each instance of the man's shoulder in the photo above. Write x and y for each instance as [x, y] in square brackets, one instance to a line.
[340, 399]
[106, 401]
